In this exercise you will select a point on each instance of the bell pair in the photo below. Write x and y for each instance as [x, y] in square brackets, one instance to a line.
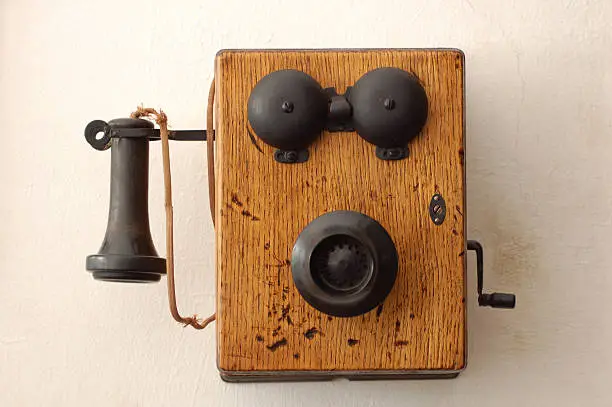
[288, 109]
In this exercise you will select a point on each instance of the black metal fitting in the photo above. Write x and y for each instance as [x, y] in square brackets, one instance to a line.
[494, 300]
[99, 134]
[437, 209]
[340, 111]
[392, 154]
[291, 156]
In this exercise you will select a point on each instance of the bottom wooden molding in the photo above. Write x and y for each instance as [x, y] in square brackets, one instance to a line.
[317, 375]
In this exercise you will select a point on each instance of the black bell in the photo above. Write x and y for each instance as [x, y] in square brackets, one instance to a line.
[287, 109]
[127, 253]
[389, 107]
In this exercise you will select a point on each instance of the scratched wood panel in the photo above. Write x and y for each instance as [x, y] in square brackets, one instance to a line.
[263, 324]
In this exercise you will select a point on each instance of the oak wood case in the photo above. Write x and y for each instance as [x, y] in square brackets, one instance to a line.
[264, 327]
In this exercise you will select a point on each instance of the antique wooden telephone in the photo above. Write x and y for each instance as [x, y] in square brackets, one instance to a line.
[339, 210]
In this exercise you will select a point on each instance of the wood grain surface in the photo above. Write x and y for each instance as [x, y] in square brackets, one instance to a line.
[263, 324]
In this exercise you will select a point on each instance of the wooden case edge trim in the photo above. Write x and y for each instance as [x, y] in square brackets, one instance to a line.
[316, 375]
[279, 375]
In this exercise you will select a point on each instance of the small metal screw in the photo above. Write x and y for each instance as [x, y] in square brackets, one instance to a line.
[287, 106]
[436, 197]
[291, 156]
[436, 220]
[389, 104]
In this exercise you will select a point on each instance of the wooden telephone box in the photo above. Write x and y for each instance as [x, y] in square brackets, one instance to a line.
[340, 214]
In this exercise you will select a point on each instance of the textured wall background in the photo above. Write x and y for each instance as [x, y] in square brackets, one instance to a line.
[539, 97]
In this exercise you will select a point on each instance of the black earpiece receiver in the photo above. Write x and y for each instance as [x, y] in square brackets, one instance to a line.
[389, 107]
[287, 109]
[127, 254]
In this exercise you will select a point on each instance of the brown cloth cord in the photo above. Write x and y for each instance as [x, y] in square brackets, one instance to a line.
[162, 120]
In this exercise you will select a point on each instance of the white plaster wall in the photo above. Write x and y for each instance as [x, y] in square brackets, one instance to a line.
[539, 150]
